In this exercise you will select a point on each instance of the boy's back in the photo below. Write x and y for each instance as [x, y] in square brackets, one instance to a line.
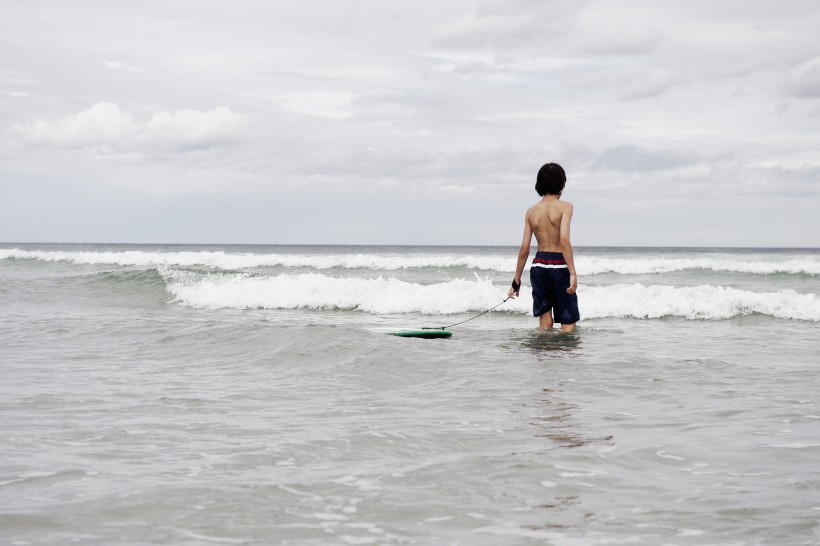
[547, 219]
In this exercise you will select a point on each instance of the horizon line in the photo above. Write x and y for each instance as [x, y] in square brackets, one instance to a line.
[738, 247]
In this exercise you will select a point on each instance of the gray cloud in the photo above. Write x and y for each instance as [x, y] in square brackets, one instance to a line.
[626, 158]
[498, 25]
[805, 80]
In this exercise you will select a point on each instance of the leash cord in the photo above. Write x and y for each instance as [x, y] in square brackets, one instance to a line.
[468, 320]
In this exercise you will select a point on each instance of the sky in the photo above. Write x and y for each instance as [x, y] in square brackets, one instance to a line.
[679, 123]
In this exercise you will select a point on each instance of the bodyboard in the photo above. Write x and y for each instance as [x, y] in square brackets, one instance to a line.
[426, 334]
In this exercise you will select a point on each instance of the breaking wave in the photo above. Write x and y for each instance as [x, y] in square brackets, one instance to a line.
[393, 296]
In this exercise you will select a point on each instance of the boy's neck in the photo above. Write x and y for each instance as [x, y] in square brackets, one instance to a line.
[552, 197]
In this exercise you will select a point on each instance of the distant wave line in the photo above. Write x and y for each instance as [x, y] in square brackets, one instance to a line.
[586, 265]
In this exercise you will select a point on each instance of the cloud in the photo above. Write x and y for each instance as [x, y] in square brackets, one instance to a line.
[103, 123]
[644, 85]
[190, 129]
[791, 180]
[629, 83]
[511, 23]
[805, 80]
[601, 32]
[326, 104]
[117, 65]
[628, 158]
[607, 42]
[107, 128]
[476, 30]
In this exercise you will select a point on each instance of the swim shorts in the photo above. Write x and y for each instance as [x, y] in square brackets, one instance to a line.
[549, 278]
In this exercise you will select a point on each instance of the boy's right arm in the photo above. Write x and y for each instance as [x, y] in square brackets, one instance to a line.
[523, 254]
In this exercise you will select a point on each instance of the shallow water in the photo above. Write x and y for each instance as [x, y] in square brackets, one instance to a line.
[132, 419]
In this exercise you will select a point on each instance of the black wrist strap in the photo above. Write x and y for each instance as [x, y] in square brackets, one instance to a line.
[516, 286]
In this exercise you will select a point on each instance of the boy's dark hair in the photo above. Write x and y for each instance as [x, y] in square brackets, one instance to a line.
[551, 180]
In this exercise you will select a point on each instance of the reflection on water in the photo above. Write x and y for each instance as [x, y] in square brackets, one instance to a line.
[540, 341]
[553, 419]
[552, 509]
[555, 423]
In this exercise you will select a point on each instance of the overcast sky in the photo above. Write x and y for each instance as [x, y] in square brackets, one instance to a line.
[689, 122]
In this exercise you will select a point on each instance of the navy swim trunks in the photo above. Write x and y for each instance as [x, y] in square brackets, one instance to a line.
[549, 278]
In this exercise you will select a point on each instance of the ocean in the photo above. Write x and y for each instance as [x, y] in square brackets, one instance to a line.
[201, 395]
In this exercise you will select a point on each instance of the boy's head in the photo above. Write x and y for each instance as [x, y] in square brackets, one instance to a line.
[551, 180]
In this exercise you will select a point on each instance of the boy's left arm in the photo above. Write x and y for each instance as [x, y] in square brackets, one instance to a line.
[566, 248]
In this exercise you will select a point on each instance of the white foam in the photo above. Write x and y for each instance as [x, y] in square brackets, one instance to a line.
[389, 295]
[209, 538]
[592, 265]
[329, 517]
[696, 302]
[586, 265]
[795, 445]
[235, 261]
[323, 292]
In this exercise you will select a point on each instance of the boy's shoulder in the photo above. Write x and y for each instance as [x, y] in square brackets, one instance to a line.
[560, 205]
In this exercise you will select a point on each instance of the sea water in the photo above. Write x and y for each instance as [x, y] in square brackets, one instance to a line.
[251, 395]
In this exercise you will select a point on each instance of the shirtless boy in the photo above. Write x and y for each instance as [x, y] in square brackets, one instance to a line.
[552, 273]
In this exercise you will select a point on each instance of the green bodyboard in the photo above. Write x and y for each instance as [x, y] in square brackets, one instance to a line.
[426, 334]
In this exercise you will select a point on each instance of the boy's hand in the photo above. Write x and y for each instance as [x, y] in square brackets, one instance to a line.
[573, 284]
[516, 286]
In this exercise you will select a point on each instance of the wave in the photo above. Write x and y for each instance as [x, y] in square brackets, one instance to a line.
[695, 302]
[142, 277]
[586, 265]
[393, 296]
[644, 266]
[239, 261]
[322, 292]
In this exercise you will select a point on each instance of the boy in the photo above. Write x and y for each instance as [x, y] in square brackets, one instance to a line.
[552, 273]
